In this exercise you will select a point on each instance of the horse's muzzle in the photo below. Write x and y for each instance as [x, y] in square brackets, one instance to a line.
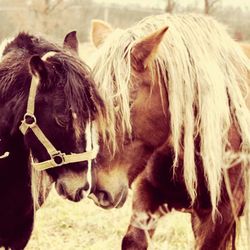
[106, 200]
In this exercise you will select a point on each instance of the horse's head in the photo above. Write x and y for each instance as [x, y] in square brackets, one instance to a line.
[51, 91]
[133, 101]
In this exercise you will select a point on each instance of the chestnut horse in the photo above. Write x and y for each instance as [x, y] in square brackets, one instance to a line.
[50, 109]
[176, 88]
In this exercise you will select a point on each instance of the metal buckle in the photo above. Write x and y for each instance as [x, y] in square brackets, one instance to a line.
[29, 120]
[58, 158]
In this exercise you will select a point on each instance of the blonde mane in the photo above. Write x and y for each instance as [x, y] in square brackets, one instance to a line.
[205, 74]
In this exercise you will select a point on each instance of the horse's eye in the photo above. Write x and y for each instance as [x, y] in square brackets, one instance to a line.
[62, 121]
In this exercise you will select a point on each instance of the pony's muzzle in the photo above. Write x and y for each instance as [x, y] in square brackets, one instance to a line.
[75, 186]
[107, 200]
[75, 196]
[82, 193]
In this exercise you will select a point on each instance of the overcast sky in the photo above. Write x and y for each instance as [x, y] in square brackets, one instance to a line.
[162, 3]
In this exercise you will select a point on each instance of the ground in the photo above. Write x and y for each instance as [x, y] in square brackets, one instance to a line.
[64, 225]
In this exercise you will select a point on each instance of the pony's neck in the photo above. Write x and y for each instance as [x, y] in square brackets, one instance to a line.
[15, 188]
[16, 164]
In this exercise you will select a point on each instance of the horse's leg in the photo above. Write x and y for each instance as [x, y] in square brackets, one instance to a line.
[220, 233]
[213, 235]
[149, 197]
[144, 218]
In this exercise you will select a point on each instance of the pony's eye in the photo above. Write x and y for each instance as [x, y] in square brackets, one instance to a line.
[62, 121]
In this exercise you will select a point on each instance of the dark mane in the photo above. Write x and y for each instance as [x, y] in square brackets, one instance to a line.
[82, 96]
[15, 77]
[30, 44]
[14, 69]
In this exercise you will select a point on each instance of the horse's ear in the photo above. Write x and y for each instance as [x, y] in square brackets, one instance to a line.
[99, 31]
[38, 67]
[145, 50]
[71, 42]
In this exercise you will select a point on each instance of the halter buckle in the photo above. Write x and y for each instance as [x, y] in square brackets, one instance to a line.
[58, 158]
[29, 120]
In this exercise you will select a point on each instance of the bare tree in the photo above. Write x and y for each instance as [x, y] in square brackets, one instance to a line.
[45, 7]
[209, 6]
[170, 6]
[46, 14]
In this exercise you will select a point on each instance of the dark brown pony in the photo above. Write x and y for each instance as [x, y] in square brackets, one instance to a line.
[176, 88]
[65, 104]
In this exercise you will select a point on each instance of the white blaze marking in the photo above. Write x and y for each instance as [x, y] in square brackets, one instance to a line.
[91, 137]
[48, 54]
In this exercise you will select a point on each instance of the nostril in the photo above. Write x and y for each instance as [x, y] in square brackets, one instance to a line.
[61, 189]
[86, 187]
[79, 194]
[82, 192]
[104, 197]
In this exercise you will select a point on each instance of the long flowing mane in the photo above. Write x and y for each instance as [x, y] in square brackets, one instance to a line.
[205, 74]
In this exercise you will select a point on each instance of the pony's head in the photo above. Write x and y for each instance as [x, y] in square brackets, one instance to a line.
[130, 89]
[47, 93]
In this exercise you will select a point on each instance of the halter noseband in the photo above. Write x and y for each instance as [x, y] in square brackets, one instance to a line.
[57, 158]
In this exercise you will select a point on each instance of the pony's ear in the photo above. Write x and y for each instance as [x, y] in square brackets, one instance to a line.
[99, 31]
[71, 42]
[37, 67]
[145, 50]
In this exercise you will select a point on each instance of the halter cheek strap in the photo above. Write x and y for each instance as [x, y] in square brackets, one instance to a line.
[57, 158]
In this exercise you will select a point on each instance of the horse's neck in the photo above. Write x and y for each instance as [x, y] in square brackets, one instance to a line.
[15, 189]
[16, 164]
[149, 113]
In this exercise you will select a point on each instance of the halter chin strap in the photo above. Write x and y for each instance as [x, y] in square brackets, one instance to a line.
[57, 158]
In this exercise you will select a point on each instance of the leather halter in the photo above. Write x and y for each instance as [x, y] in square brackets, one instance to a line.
[57, 158]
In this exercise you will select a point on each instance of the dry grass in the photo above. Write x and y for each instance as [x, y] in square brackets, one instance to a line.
[61, 224]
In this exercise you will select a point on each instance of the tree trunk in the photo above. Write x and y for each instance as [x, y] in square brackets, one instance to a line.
[170, 6]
